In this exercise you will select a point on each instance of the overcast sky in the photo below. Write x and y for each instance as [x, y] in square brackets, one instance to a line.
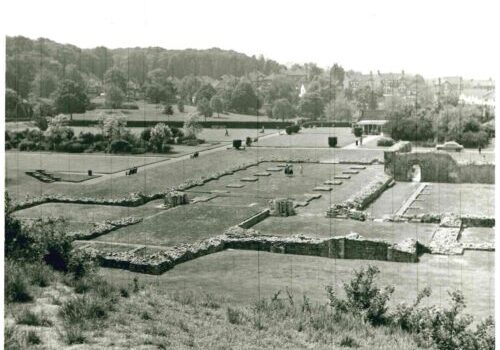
[433, 38]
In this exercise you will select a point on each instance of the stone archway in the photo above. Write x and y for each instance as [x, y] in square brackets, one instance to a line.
[415, 173]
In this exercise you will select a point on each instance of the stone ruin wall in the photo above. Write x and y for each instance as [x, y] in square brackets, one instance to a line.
[438, 166]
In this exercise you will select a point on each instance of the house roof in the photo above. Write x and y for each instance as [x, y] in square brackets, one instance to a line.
[479, 93]
[378, 114]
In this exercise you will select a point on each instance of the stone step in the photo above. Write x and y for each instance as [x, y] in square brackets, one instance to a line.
[262, 174]
[330, 182]
[323, 188]
[274, 169]
[342, 177]
[350, 172]
[357, 167]
[235, 185]
[249, 179]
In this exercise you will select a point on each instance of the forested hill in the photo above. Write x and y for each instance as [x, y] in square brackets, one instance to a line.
[28, 58]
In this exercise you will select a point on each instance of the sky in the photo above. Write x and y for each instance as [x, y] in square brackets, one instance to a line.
[432, 38]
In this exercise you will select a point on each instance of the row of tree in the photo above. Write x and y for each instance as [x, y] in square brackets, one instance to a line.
[36, 65]
[114, 137]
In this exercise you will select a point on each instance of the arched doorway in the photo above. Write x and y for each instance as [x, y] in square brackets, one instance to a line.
[415, 173]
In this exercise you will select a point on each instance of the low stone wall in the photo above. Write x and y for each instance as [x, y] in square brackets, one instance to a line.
[345, 247]
[255, 219]
[351, 208]
[467, 220]
[100, 229]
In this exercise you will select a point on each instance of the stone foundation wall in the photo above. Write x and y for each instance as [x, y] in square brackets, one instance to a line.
[437, 166]
[346, 247]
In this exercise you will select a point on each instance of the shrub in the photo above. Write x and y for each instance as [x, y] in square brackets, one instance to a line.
[363, 296]
[348, 342]
[295, 128]
[79, 310]
[129, 105]
[81, 264]
[26, 145]
[358, 131]
[8, 145]
[73, 335]
[234, 316]
[288, 130]
[248, 141]
[33, 338]
[138, 150]
[30, 318]
[75, 147]
[40, 274]
[16, 287]
[119, 146]
[168, 110]
[385, 142]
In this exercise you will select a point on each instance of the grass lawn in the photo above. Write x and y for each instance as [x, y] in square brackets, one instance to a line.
[462, 199]
[89, 213]
[280, 185]
[154, 179]
[328, 227]
[392, 199]
[478, 235]
[311, 137]
[183, 224]
[76, 163]
[247, 276]
[148, 111]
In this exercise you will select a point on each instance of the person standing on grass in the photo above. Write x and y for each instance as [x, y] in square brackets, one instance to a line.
[479, 148]
[301, 169]
[227, 132]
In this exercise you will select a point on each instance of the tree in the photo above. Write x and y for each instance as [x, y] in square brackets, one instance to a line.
[366, 98]
[15, 106]
[114, 96]
[115, 77]
[311, 105]
[206, 91]
[159, 88]
[280, 87]
[180, 105]
[44, 84]
[217, 105]
[188, 87]
[244, 98]
[113, 127]
[160, 135]
[203, 107]
[192, 127]
[70, 98]
[58, 131]
[282, 109]
[340, 110]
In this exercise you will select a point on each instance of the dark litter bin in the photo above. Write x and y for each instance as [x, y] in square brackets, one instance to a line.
[332, 141]
[237, 144]
[90, 172]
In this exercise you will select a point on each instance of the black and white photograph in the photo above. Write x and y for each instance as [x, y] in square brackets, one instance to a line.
[249, 174]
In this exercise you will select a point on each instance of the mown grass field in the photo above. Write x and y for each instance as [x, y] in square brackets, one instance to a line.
[103, 163]
[327, 227]
[163, 176]
[311, 137]
[183, 224]
[247, 276]
[392, 199]
[461, 199]
[152, 112]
